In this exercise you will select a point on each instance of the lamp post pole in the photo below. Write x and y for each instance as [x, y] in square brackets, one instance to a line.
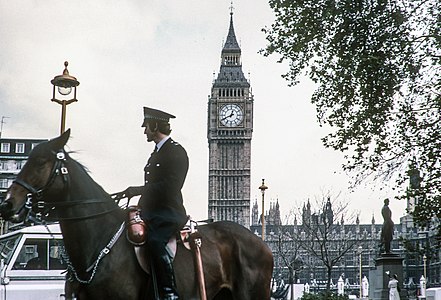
[424, 266]
[360, 251]
[64, 84]
[262, 188]
[63, 104]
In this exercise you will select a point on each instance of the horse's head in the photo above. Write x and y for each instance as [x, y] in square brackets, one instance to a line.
[38, 177]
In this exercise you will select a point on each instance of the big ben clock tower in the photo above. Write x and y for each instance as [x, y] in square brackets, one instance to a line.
[230, 127]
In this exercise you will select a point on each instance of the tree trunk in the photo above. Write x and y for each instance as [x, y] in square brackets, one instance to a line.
[291, 279]
[328, 283]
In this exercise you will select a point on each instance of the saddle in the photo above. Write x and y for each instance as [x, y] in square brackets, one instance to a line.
[136, 235]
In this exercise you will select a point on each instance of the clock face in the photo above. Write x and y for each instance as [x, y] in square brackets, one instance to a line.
[231, 115]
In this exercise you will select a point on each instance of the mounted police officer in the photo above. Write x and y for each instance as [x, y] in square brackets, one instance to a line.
[161, 200]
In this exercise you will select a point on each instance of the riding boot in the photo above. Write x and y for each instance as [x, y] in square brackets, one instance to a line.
[168, 279]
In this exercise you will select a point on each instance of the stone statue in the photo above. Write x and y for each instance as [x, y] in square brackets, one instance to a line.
[365, 287]
[340, 286]
[388, 227]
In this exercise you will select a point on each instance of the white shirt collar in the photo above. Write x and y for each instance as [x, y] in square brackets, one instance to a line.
[159, 145]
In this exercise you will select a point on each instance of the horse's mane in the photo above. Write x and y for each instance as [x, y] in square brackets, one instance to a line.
[86, 172]
[68, 153]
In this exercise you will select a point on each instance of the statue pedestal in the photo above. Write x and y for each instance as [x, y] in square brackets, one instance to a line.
[378, 279]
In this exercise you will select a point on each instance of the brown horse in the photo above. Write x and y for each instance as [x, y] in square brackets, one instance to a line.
[237, 264]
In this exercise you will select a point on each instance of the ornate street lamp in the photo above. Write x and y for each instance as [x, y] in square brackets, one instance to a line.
[64, 83]
[262, 188]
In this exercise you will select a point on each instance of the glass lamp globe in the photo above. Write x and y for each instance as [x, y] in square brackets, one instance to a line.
[64, 90]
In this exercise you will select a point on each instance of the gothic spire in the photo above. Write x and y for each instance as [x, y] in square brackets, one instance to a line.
[231, 73]
[231, 42]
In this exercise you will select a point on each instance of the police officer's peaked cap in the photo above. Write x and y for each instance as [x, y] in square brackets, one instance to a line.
[156, 115]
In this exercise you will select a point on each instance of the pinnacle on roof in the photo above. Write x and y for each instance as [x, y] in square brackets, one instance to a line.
[231, 42]
[231, 73]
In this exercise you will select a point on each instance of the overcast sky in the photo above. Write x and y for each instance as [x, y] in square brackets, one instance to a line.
[162, 54]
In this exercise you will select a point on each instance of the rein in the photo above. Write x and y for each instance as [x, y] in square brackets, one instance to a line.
[93, 267]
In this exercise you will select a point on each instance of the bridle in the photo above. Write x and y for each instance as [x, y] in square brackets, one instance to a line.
[58, 168]
[43, 209]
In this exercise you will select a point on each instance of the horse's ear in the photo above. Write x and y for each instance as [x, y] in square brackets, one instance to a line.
[60, 142]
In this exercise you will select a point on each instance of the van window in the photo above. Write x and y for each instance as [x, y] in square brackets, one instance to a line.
[40, 254]
[7, 247]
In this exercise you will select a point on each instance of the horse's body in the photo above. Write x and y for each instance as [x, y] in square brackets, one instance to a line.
[237, 264]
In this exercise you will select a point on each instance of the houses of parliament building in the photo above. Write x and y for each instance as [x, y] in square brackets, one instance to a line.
[417, 247]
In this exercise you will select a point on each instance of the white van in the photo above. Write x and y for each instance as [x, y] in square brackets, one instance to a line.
[31, 266]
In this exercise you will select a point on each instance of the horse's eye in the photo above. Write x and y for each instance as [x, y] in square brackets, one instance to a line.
[40, 161]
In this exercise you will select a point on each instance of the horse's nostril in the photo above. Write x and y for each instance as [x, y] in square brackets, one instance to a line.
[5, 206]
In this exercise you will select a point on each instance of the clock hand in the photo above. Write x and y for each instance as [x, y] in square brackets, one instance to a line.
[226, 117]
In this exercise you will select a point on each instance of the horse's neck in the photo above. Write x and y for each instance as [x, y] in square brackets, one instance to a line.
[85, 239]
[93, 223]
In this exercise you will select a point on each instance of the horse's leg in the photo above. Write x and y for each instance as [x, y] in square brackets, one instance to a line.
[251, 291]
[254, 284]
[68, 290]
[253, 279]
[71, 290]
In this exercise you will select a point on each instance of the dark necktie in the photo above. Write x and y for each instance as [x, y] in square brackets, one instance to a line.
[154, 151]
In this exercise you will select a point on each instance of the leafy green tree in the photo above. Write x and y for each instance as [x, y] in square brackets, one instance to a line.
[377, 66]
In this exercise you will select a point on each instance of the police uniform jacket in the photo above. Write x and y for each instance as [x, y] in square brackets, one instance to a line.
[165, 172]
